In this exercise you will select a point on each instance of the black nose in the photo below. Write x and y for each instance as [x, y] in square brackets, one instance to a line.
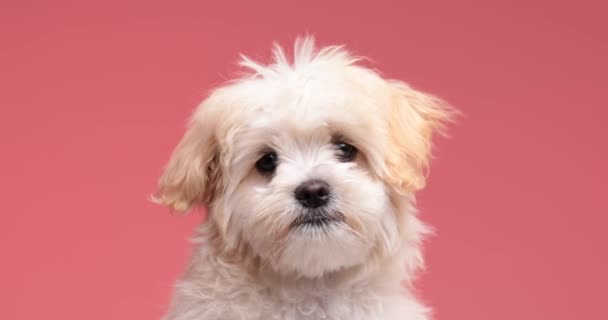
[313, 193]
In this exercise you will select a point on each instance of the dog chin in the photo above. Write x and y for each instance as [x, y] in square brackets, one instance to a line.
[321, 246]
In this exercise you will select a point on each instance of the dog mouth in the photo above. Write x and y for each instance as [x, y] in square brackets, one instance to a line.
[316, 220]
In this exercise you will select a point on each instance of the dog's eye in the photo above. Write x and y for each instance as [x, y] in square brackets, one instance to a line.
[346, 152]
[268, 162]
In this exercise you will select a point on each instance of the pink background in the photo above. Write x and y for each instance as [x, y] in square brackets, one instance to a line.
[93, 98]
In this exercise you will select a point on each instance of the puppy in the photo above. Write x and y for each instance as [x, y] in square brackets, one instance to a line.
[308, 169]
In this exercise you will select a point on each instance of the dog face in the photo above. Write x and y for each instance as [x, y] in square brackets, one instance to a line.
[307, 164]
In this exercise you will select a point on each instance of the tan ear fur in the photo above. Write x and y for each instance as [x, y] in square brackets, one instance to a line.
[414, 117]
[193, 173]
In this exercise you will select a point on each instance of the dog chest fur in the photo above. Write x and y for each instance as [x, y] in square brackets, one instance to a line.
[212, 288]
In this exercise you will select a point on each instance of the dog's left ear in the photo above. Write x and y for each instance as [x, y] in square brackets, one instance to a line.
[414, 118]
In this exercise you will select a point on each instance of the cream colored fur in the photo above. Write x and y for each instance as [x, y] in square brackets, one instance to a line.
[249, 262]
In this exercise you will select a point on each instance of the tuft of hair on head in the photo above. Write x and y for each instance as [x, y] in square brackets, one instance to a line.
[305, 53]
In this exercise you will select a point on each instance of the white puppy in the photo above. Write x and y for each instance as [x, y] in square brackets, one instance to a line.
[308, 169]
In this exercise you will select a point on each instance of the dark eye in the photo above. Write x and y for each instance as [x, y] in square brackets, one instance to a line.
[268, 162]
[346, 152]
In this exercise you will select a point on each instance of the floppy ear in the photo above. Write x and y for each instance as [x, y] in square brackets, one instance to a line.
[193, 174]
[413, 118]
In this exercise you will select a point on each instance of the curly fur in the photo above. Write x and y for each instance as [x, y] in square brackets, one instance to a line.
[249, 261]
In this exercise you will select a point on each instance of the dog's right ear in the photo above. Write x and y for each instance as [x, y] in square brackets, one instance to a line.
[193, 174]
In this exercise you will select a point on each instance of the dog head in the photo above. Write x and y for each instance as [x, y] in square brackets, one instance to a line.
[311, 163]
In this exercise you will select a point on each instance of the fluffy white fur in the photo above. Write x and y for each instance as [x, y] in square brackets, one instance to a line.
[249, 262]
